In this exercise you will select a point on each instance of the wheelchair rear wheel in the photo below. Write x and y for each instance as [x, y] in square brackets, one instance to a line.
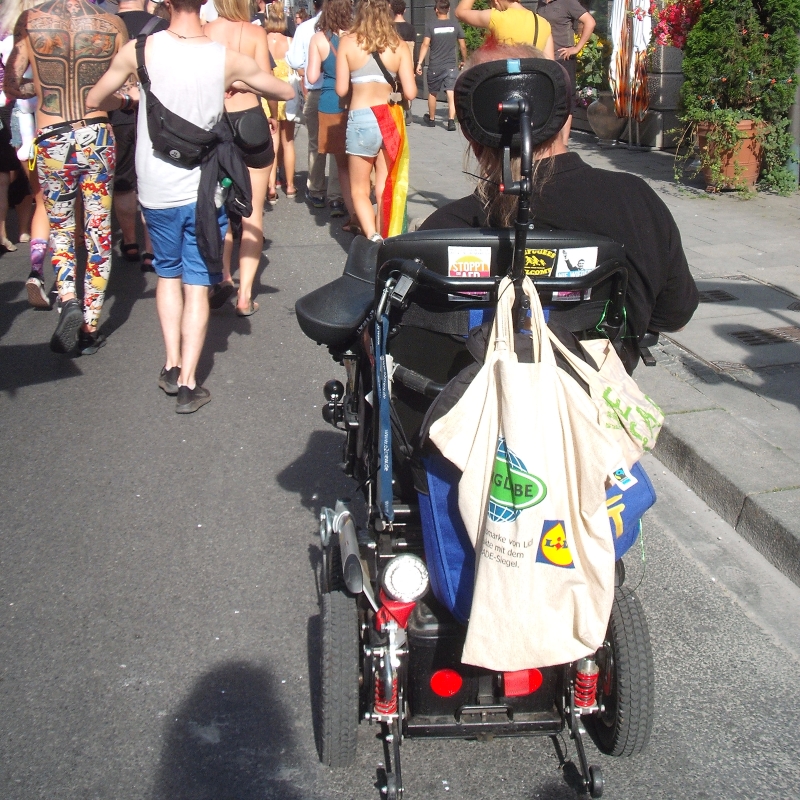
[625, 688]
[340, 672]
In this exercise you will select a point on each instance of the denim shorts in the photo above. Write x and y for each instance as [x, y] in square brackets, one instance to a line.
[175, 244]
[363, 133]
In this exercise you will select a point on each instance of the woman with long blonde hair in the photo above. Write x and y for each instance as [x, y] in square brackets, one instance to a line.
[254, 136]
[283, 138]
[370, 55]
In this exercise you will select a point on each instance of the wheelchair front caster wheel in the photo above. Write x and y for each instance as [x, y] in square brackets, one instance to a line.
[595, 781]
[391, 788]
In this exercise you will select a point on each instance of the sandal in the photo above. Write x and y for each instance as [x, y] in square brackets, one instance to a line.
[247, 312]
[351, 226]
[147, 262]
[272, 198]
[290, 193]
[130, 252]
[219, 294]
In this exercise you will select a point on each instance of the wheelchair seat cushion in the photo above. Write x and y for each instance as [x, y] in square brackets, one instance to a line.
[333, 314]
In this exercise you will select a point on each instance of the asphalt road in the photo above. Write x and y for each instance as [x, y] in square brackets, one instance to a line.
[158, 609]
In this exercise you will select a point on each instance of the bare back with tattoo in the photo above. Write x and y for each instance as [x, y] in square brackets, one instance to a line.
[70, 44]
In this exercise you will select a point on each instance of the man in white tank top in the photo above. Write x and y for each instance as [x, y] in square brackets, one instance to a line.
[189, 74]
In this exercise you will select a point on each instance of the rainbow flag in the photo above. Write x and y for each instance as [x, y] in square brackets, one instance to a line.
[394, 217]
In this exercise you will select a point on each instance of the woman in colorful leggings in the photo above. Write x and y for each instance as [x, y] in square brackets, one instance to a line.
[77, 159]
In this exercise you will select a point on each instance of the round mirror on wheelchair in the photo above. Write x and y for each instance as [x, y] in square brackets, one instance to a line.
[405, 578]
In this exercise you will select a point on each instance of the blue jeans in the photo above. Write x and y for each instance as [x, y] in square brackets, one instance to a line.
[175, 244]
[364, 136]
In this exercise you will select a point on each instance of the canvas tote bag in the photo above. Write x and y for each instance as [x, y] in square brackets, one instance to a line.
[631, 417]
[534, 465]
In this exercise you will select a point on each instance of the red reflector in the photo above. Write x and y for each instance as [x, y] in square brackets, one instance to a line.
[502, 188]
[446, 682]
[525, 681]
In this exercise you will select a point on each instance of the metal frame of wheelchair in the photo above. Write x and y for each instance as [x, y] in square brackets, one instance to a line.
[396, 663]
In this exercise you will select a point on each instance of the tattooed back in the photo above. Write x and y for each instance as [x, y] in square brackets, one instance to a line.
[70, 44]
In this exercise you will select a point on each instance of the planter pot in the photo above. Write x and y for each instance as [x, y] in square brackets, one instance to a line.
[741, 166]
[603, 119]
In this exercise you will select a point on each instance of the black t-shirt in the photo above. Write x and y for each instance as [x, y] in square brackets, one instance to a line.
[406, 31]
[662, 295]
[134, 22]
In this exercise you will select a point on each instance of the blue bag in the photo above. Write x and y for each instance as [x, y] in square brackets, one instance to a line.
[449, 552]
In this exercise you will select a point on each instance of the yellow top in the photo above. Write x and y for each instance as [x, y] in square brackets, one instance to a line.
[517, 26]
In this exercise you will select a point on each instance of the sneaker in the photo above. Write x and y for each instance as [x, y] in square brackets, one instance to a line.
[426, 120]
[337, 208]
[451, 124]
[316, 202]
[189, 400]
[65, 337]
[90, 343]
[37, 296]
[376, 237]
[168, 379]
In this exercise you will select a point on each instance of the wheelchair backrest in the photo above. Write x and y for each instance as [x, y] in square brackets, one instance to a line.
[429, 338]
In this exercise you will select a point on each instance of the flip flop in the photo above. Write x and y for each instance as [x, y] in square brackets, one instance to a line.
[291, 193]
[247, 312]
[147, 262]
[351, 226]
[273, 198]
[220, 293]
[130, 252]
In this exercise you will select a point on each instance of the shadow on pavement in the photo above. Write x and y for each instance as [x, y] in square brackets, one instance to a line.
[126, 285]
[231, 739]
[314, 475]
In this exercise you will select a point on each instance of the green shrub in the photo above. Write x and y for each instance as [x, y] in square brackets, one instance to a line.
[475, 37]
[739, 61]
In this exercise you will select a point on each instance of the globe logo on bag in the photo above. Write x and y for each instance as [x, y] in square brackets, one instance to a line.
[513, 488]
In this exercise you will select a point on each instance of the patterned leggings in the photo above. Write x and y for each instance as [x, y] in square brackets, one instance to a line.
[71, 162]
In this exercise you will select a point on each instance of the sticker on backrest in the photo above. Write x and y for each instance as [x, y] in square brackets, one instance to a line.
[575, 261]
[469, 262]
[539, 263]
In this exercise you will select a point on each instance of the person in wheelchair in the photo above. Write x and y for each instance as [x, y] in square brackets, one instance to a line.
[571, 195]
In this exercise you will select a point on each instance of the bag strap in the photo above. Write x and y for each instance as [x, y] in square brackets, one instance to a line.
[150, 26]
[141, 69]
[535, 29]
[386, 74]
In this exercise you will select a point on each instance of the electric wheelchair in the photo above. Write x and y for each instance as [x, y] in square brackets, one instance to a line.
[399, 322]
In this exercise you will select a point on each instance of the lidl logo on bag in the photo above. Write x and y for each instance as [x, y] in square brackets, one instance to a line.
[553, 546]
[513, 487]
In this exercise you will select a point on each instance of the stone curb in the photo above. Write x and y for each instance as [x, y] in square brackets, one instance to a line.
[751, 484]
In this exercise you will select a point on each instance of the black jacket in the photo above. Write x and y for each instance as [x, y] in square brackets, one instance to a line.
[223, 161]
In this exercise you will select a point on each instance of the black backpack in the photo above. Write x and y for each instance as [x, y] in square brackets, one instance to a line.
[178, 140]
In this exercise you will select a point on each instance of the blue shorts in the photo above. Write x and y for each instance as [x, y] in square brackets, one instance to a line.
[364, 136]
[175, 244]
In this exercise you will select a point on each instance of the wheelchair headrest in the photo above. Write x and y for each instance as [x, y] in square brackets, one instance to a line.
[481, 88]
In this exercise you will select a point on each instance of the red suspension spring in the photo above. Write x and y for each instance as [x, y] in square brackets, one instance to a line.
[586, 674]
[382, 705]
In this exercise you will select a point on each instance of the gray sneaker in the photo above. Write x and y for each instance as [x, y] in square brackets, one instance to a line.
[65, 336]
[316, 202]
[37, 296]
[168, 379]
[189, 400]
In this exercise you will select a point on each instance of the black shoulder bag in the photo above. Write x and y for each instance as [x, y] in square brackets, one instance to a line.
[180, 141]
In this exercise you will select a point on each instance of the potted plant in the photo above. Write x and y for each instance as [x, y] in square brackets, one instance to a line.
[593, 91]
[739, 62]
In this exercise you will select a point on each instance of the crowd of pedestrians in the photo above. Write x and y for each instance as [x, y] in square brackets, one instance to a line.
[78, 134]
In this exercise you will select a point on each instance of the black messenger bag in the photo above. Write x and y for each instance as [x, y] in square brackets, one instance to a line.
[178, 140]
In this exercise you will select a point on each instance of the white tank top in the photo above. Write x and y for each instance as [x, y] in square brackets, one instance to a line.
[189, 79]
